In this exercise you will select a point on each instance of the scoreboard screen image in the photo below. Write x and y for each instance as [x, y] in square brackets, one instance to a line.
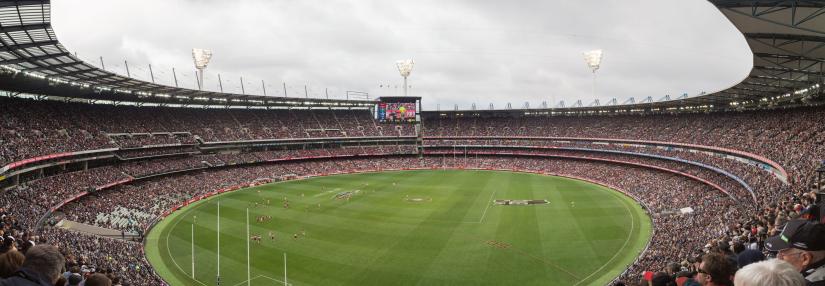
[396, 112]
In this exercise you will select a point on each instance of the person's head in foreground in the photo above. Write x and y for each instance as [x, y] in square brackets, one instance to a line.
[43, 266]
[772, 272]
[98, 280]
[802, 244]
[716, 269]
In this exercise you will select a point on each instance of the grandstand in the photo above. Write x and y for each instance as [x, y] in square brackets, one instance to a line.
[102, 150]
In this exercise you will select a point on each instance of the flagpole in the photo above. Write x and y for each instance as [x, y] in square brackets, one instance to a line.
[193, 251]
[248, 275]
[218, 281]
[285, 284]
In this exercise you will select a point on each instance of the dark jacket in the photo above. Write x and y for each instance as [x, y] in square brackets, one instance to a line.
[816, 276]
[26, 277]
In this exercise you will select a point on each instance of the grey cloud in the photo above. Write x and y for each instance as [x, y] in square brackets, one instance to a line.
[465, 51]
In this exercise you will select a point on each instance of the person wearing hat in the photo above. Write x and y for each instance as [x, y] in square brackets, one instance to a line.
[802, 244]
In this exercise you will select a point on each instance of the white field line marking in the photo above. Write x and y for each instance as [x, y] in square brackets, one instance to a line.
[489, 202]
[321, 194]
[242, 282]
[168, 249]
[273, 279]
[450, 221]
[632, 227]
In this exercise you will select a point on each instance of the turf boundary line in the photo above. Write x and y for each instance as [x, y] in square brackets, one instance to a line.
[262, 276]
[169, 251]
[273, 279]
[242, 282]
[629, 235]
[547, 262]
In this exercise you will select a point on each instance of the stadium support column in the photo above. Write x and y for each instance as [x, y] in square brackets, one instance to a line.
[263, 87]
[175, 76]
[220, 82]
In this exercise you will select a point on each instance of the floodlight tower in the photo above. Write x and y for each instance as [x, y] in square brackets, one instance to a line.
[201, 58]
[593, 60]
[405, 67]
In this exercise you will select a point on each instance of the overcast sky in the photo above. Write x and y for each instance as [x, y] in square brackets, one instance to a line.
[467, 51]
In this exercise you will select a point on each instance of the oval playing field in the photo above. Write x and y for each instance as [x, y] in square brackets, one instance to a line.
[437, 227]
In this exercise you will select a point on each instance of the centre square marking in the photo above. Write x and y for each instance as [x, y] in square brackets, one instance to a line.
[497, 244]
[520, 202]
[418, 199]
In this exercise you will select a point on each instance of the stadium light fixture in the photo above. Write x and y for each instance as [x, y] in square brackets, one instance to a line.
[201, 58]
[405, 68]
[593, 59]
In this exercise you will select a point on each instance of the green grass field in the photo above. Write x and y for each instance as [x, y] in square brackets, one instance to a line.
[430, 228]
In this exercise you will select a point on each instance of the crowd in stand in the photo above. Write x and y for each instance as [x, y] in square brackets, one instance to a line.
[137, 140]
[794, 138]
[139, 153]
[67, 127]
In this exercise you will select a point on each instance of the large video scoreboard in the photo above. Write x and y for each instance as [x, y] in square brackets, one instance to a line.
[398, 109]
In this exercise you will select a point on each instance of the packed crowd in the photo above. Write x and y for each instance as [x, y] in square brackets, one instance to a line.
[791, 137]
[30, 128]
[137, 140]
[141, 153]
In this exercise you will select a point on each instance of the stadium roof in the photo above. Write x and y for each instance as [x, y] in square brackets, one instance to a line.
[787, 39]
[28, 45]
